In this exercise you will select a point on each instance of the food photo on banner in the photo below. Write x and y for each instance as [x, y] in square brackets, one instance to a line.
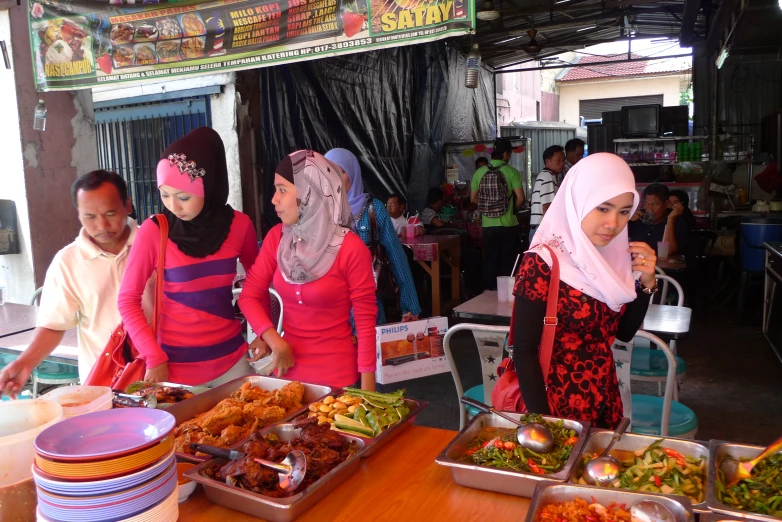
[83, 44]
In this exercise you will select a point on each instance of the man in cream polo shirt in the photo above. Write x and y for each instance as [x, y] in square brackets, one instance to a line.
[83, 280]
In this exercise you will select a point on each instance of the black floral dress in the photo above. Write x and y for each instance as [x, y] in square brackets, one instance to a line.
[581, 383]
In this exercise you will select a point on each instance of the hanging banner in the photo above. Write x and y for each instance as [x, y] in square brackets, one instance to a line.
[81, 45]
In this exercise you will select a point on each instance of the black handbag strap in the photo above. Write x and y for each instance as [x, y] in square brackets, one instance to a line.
[374, 231]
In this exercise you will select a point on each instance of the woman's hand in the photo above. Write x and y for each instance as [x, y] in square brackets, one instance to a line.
[644, 261]
[409, 317]
[259, 350]
[157, 374]
[282, 359]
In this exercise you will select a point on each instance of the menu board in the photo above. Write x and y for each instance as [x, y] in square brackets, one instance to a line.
[74, 46]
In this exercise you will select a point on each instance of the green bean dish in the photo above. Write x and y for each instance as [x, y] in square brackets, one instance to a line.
[761, 493]
[497, 447]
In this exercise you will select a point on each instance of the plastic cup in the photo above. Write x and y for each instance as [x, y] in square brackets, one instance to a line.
[662, 250]
[504, 288]
[410, 231]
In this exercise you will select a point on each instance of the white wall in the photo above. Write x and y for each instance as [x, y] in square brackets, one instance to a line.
[518, 96]
[570, 94]
[16, 270]
[223, 107]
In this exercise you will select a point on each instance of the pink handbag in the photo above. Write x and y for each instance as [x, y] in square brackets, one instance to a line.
[506, 395]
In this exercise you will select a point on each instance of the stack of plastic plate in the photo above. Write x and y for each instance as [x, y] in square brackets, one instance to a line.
[108, 465]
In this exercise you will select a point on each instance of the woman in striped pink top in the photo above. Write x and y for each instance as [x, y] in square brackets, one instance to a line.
[199, 340]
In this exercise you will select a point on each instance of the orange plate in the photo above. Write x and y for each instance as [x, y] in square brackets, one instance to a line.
[107, 468]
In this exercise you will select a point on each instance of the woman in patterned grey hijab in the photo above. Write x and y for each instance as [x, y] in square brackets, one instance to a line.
[309, 247]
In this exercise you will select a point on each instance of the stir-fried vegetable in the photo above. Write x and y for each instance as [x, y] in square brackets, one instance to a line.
[497, 447]
[656, 469]
[761, 493]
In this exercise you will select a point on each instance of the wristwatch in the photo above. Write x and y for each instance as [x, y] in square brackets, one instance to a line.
[648, 291]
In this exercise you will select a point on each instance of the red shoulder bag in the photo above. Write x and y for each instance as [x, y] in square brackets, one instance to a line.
[119, 364]
[506, 395]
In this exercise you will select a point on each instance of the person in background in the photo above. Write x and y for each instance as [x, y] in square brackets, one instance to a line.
[322, 270]
[83, 280]
[574, 152]
[199, 340]
[388, 237]
[680, 197]
[501, 233]
[654, 223]
[397, 206]
[480, 163]
[546, 186]
[430, 216]
[599, 297]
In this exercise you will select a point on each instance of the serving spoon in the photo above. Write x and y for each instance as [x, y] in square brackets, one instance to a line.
[532, 435]
[650, 511]
[744, 469]
[291, 471]
[604, 469]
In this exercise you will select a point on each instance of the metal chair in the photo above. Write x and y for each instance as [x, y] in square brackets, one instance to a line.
[651, 365]
[276, 312]
[51, 372]
[652, 415]
[35, 300]
[491, 344]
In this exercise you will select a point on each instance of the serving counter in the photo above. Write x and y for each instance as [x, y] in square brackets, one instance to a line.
[400, 482]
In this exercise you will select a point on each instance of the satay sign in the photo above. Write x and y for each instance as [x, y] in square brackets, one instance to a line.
[87, 43]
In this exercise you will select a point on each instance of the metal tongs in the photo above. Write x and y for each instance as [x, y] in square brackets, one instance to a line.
[142, 401]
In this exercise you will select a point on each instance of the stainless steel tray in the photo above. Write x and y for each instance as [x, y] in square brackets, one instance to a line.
[186, 410]
[720, 517]
[549, 492]
[598, 440]
[503, 480]
[375, 443]
[718, 450]
[276, 509]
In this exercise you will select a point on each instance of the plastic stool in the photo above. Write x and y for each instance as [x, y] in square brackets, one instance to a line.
[54, 373]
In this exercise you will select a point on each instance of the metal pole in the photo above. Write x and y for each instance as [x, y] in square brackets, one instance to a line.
[567, 65]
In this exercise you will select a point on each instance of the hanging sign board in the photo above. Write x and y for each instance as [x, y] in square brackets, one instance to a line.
[90, 43]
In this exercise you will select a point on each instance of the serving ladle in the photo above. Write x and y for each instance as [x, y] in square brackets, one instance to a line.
[744, 469]
[291, 471]
[532, 435]
[604, 469]
[650, 511]
[147, 401]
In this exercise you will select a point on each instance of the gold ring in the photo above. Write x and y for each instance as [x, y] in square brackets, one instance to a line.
[643, 262]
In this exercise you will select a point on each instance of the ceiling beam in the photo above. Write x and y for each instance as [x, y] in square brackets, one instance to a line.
[614, 62]
[720, 23]
[595, 5]
[690, 15]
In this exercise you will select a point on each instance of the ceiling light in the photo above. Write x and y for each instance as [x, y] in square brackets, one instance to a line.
[563, 1]
[487, 12]
[722, 57]
[508, 40]
[586, 28]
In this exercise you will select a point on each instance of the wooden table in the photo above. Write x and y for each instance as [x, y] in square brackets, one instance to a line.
[15, 318]
[428, 251]
[400, 482]
[67, 352]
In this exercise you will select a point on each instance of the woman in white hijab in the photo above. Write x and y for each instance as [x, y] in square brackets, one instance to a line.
[604, 288]
[321, 269]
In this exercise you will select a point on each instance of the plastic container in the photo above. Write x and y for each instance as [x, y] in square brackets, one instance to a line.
[755, 232]
[20, 423]
[77, 400]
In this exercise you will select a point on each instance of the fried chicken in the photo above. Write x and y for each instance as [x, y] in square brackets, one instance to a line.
[265, 414]
[233, 434]
[250, 393]
[216, 420]
[198, 437]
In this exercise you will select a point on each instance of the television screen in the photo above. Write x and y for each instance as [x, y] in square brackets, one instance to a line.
[641, 121]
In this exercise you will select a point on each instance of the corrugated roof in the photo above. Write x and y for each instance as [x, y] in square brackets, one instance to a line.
[663, 66]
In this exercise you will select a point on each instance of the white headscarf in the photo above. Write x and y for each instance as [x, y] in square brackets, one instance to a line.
[604, 273]
[309, 248]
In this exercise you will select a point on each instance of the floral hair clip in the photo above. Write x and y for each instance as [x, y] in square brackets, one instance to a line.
[186, 167]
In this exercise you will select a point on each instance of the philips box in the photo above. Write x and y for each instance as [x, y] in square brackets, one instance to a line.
[411, 350]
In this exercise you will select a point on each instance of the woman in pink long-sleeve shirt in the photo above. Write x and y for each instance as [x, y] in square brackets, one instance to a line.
[199, 340]
[321, 269]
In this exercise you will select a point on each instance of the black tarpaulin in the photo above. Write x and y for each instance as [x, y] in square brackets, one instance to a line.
[393, 108]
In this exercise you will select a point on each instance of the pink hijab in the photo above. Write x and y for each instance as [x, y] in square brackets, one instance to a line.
[604, 273]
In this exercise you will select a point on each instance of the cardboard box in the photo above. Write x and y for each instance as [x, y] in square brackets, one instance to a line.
[411, 350]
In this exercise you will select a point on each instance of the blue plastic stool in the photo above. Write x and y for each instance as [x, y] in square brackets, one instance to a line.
[652, 366]
[7, 358]
[54, 373]
[648, 414]
[19, 397]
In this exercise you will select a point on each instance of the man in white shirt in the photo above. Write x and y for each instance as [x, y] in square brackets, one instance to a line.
[396, 206]
[83, 280]
[546, 185]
